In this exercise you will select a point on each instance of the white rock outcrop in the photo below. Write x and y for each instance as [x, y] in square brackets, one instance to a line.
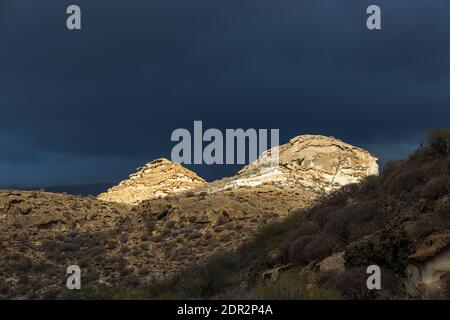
[156, 179]
[314, 162]
[311, 164]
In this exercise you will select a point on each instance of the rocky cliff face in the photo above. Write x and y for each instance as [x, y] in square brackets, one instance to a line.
[156, 179]
[310, 162]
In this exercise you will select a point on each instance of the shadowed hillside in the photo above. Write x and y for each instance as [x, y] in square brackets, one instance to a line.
[203, 244]
[161, 220]
[399, 220]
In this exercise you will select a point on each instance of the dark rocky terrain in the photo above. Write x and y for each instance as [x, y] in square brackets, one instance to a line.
[240, 239]
[399, 220]
[120, 239]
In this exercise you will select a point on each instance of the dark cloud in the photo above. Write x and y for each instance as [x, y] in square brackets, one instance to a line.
[89, 106]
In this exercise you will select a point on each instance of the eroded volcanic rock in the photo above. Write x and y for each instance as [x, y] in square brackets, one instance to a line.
[156, 179]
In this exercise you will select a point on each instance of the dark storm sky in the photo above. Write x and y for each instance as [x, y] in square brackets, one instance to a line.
[90, 106]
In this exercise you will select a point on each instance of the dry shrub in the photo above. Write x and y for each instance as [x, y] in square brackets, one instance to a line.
[436, 188]
[293, 285]
[296, 250]
[407, 181]
[308, 229]
[352, 284]
[306, 249]
[439, 141]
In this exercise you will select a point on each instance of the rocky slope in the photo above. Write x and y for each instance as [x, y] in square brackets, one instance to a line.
[315, 163]
[156, 179]
[161, 220]
[399, 221]
[309, 168]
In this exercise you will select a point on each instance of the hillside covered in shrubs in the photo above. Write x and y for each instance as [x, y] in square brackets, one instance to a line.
[399, 220]
[162, 220]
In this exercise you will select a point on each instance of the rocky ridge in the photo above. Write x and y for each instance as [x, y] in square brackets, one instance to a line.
[311, 162]
[155, 179]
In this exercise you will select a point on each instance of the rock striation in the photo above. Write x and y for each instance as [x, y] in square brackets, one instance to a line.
[156, 179]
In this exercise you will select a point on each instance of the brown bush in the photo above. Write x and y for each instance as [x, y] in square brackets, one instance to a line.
[352, 284]
[320, 214]
[338, 222]
[296, 250]
[320, 247]
[309, 228]
[306, 249]
[436, 188]
[150, 225]
[439, 141]
[442, 213]
[407, 181]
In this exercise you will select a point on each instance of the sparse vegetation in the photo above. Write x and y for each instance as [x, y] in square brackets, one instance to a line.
[293, 285]
[415, 189]
[381, 221]
[439, 141]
